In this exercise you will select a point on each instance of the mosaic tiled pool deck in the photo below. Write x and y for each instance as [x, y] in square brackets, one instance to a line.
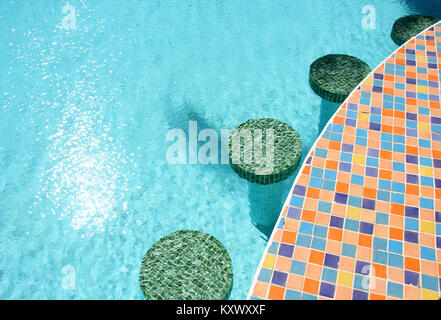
[363, 219]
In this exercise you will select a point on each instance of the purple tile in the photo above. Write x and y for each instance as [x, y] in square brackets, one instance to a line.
[308, 161]
[279, 278]
[373, 152]
[437, 163]
[351, 122]
[433, 84]
[368, 204]
[375, 110]
[411, 132]
[341, 198]
[344, 166]
[359, 295]
[438, 216]
[410, 63]
[411, 212]
[374, 126]
[433, 97]
[411, 277]
[331, 260]
[360, 267]
[430, 38]
[432, 65]
[347, 147]
[286, 250]
[299, 190]
[294, 213]
[410, 236]
[378, 76]
[352, 106]
[327, 290]
[377, 89]
[436, 136]
[411, 80]
[431, 54]
[366, 227]
[410, 94]
[336, 222]
[411, 51]
[371, 172]
[435, 120]
[411, 116]
[411, 159]
[411, 178]
[438, 242]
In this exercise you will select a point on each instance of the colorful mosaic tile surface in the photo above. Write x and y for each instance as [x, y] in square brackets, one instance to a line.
[363, 220]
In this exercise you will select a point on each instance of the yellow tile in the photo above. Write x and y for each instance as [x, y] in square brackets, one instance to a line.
[368, 81]
[269, 261]
[345, 278]
[427, 227]
[421, 58]
[363, 116]
[358, 159]
[423, 126]
[426, 171]
[353, 213]
[430, 295]
[422, 89]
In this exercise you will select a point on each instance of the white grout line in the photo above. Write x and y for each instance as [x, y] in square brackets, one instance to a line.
[250, 292]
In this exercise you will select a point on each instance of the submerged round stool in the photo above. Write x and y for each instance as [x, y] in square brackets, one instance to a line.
[333, 77]
[265, 152]
[186, 265]
[405, 28]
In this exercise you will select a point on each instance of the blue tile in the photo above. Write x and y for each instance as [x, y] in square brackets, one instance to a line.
[292, 295]
[298, 267]
[329, 275]
[429, 282]
[395, 289]
[348, 250]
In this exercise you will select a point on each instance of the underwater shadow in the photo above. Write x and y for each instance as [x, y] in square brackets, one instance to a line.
[427, 8]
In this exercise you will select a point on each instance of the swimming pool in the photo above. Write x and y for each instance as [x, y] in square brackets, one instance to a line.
[85, 188]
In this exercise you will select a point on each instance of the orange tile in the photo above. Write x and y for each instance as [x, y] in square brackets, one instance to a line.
[395, 233]
[311, 286]
[396, 208]
[308, 215]
[374, 296]
[276, 293]
[335, 234]
[412, 264]
[365, 240]
[289, 237]
[379, 270]
[316, 257]
[313, 193]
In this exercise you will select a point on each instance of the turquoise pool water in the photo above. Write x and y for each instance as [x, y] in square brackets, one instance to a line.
[85, 188]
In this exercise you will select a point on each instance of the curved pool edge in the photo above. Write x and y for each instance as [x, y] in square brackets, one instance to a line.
[280, 222]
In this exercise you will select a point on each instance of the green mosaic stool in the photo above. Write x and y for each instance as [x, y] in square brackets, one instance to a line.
[186, 265]
[405, 28]
[333, 77]
[264, 137]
